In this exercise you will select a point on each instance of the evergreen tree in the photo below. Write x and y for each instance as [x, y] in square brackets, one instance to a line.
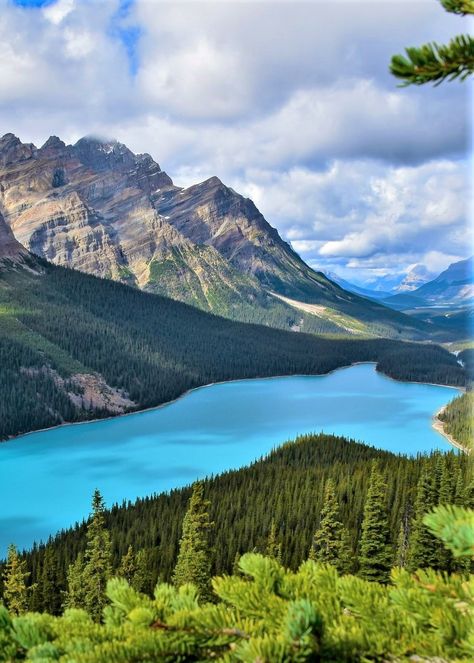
[15, 592]
[98, 568]
[375, 550]
[331, 541]
[346, 561]
[401, 556]
[75, 592]
[142, 579]
[48, 584]
[128, 566]
[273, 547]
[434, 62]
[194, 559]
[422, 550]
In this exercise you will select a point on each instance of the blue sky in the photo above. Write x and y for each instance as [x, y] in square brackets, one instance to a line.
[290, 103]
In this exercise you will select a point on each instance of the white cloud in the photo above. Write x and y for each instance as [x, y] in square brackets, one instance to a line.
[369, 217]
[58, 11]
[289, 103]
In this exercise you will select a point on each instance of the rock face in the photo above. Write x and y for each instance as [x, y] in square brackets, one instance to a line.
[98, 207]
[10, 248]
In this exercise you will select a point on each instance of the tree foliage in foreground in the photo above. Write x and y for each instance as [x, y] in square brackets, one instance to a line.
[435, 63]
[269, 614]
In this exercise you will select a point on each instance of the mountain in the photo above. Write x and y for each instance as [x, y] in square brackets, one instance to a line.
[387, 286]
[417, 276]
[453, 286]
[98, 207]
[358, 290]
[75, 347]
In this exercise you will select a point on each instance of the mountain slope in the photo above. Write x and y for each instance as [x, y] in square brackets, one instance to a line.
[453, 286]
[99, 208]
[74, 347]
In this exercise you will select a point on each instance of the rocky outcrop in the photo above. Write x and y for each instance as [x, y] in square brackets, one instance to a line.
[10, 248]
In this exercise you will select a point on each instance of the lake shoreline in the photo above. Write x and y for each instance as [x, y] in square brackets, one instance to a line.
[438, 425]
[222, 382]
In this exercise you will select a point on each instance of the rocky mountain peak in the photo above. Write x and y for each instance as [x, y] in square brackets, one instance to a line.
[12, 149]
[415, 277]
[101, 154]
[53, 143]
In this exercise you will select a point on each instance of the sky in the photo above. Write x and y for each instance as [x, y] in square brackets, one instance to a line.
[290, 103]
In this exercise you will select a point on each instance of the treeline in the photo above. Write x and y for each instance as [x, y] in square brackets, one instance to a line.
[458, 419]
[284, 492]
[264, 611]
[156, 348]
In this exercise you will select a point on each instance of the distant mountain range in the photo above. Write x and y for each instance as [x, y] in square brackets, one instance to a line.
[419, 287]
[99, 208]
[446, 301]
[454, 287]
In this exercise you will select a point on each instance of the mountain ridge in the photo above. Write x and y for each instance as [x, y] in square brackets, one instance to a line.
[98, 207]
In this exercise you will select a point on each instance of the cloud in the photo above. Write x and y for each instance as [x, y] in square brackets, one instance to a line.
[290, 103]
[367, 218]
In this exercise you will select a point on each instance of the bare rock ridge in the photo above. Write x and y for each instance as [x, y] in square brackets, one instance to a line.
[98, 207]
[10, 248]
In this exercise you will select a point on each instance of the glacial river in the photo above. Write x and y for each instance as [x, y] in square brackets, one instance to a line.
[47, 478]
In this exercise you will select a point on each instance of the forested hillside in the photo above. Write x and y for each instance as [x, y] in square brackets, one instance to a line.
[458, 419]
[275, 503]
[74, 347]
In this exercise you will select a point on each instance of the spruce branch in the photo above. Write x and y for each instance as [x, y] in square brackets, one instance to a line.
[434, 63]
[461, 7]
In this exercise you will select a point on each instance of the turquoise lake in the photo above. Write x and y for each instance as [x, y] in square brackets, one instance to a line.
[47, 478]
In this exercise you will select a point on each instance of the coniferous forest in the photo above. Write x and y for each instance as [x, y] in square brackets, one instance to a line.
[325, 549]
[282, 496]
[56, 323]
[336, 530]
[458, 419]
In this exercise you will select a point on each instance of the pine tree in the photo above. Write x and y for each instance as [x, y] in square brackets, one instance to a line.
[98, 568]
[48, 584]
[142, 579]
[422, 550]
[273, 547]
[401, 556]
[331, 540]
[128, 566]
[375, 549]
[346, 561]
[434, 62]
[75, 592]
[194, 559]
[15, 592]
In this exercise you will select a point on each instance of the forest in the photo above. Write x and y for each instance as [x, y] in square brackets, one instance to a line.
[56, 323]
[363, 594]
[281, 496]
[458, 419]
